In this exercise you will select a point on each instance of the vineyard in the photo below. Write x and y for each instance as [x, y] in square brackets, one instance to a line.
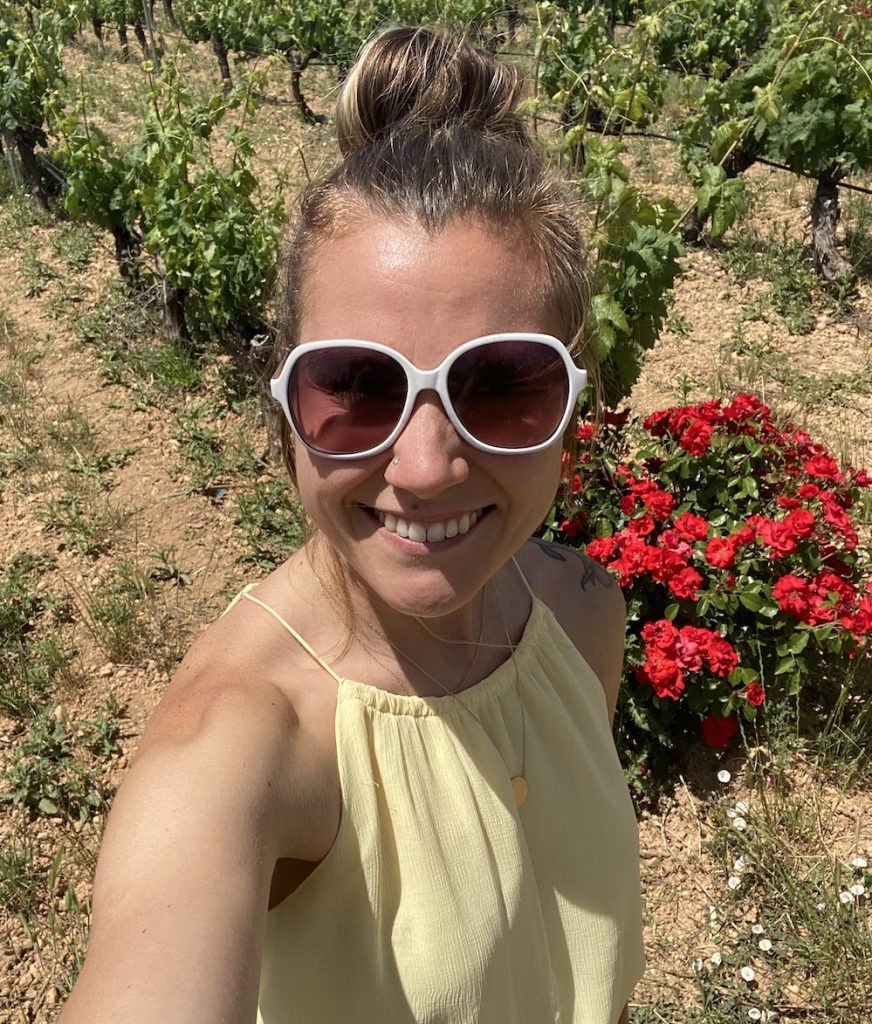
[721, 151]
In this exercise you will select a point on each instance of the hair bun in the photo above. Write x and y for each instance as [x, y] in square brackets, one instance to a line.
[409, 79]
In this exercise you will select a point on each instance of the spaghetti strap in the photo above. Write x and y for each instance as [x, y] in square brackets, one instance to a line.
[524, 579]
[246, 593]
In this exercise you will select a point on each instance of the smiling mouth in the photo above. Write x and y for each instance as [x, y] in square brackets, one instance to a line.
[430, 533]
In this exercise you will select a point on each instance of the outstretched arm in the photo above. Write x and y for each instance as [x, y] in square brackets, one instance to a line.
[182, 883]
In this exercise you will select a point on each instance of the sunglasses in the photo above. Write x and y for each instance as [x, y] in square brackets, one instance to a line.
[504, 393]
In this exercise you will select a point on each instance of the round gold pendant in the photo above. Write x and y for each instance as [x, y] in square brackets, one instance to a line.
[520, 789]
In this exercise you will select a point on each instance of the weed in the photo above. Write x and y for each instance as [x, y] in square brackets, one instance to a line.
[126, 336]
[74, 244]
[115, 613]
[57, 768]
[19, 878]
[97, 465]
[678, 324]
[165, 569]
[786, 264]
[129, 617]
[29, 661]
[87, 521]
[71, 431]
[274, 523]
[20, 215]
[37, 274]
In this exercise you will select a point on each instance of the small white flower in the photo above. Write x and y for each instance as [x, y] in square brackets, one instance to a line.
[731, 813]
[697, 964]
[820, 906]
[755, 1014]
[857, 890]
[733, 882]
[717, 959]
[757, 929]
[741, 807]
[772, 1016]
[846, 897]
[740, 824]
[739, 865]
[859, 862]
[724, 776]
[765, 945]
[748, 974]
[713, 915]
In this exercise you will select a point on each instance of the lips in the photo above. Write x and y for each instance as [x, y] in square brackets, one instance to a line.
[431, 533]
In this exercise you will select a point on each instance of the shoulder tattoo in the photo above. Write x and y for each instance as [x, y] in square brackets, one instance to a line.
[592, 573]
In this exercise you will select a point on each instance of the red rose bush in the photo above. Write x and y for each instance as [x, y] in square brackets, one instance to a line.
[732, 535]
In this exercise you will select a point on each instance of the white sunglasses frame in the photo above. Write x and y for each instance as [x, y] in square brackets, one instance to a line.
[432, 380]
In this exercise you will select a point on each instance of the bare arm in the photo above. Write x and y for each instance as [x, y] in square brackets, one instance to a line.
[182, 881]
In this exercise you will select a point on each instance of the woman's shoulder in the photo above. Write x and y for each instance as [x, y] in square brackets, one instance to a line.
[248, 691]
[571, 579]
[587, 603]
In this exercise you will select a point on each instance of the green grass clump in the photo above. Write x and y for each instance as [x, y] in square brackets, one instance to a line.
[58, 768]
[30, 657]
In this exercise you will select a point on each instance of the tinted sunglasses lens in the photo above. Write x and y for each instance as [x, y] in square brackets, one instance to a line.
[510, 394]
[346, 400]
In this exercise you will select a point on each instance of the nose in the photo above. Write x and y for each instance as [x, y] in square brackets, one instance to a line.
[429, 456]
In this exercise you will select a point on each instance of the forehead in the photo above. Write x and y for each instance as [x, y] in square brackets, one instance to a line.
[422, 292]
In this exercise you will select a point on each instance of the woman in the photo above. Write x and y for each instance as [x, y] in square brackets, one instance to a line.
[399, 741]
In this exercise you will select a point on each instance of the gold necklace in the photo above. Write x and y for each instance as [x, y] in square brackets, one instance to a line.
[520, 787]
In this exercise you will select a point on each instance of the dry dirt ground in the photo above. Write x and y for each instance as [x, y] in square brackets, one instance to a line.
[682, 880]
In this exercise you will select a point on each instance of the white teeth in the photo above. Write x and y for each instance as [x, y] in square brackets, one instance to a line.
[432, 533]
[435, 533]
[417, 532]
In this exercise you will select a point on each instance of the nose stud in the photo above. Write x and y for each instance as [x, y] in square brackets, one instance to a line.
[396, 462]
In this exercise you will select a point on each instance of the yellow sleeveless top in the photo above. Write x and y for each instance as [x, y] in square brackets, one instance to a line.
[443, 902]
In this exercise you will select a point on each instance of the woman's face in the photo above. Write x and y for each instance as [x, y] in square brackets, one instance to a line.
[425, 295]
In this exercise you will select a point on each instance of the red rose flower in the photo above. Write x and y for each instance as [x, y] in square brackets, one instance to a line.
[601, 549]
[691, 647]
[755, 694]
[721, 657]
[642, 526]
[718, 731]
[778, 537]
[808, 491]
[571, 527]
[673, 540]
[691, 527]
[661, 634]
[824, 467]
[659, 503]
[794, 596]
[696, 438]
[685, 585]
[584, 432]
[663, 563]
[800, 522]
[627, 504]
[665, 675]
[721, 552]
[785, 501]
[576, 483]
[744, 536]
